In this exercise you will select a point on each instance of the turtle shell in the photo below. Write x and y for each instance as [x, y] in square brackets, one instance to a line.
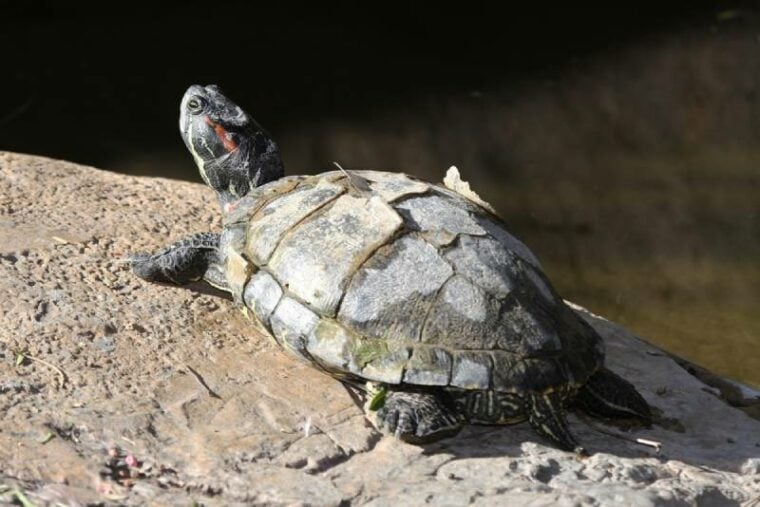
[383, 277]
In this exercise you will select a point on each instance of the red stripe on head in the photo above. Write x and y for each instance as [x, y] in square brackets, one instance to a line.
[225, 138]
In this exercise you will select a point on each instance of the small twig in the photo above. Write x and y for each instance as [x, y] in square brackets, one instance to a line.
[60, 240]
[202, 382]
[359, 183]
[341, 169]
[640, 441]
[20, 356]
[650, 443]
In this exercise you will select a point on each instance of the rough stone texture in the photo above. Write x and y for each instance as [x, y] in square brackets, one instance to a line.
[263, 428]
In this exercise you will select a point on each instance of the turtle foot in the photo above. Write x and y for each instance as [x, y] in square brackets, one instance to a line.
[608, 395]
[547, 417]
[185, 261]
[416, 417]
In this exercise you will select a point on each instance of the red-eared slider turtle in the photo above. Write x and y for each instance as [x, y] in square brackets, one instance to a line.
[384, 280]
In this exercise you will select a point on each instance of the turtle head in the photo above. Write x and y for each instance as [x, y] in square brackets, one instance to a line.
[233, 153]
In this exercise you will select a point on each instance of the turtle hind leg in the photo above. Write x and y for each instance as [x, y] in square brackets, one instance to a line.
[188, 260]
[607, 395]
[416, 416]
[546, 416]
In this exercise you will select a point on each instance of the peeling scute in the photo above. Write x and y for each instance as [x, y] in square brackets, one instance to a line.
[392, 186]
[439, 238]
[454, 181]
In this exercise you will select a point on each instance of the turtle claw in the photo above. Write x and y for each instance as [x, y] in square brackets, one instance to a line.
[144, 266]
[406, 427]
[416, 417]
[581, 451]
[129, 259]
[135, 258]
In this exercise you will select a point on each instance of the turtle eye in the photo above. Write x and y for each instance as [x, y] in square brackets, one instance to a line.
[195, 104]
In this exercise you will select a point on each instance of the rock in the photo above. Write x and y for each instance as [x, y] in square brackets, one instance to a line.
[135, 393]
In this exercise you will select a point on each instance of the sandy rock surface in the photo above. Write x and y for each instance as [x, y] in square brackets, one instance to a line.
[116, 391]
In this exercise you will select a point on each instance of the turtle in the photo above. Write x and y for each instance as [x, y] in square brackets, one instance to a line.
[414, 292]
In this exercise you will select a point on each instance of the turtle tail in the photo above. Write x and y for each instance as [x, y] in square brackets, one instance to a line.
[607, 395]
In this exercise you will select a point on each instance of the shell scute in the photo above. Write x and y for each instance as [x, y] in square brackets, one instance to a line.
[384, 301]
[277, 217]
[261, 295]
[316, 258]
[291, 324]
[428, 366]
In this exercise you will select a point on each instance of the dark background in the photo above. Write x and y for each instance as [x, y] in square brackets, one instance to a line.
[620, 143]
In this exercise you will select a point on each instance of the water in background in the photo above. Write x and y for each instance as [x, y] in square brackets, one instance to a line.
[633, 173]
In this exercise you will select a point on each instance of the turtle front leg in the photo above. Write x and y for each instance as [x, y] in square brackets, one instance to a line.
[191, 259]
[416, 417]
